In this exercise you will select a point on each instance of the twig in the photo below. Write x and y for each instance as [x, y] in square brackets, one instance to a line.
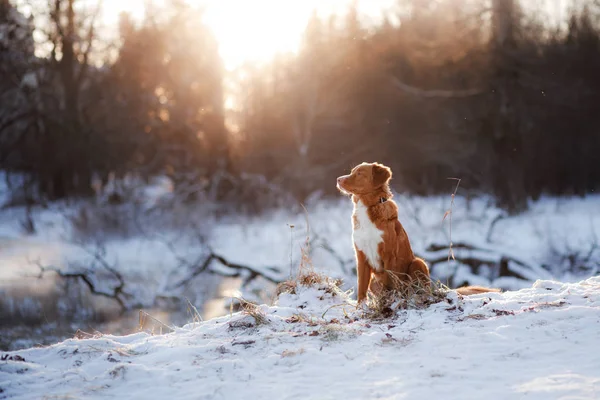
[193, 308]
[142, 320]
[449, 213]
[196, 270]
[333, 306]
[86, 279]
[292, 226]
[306, 249]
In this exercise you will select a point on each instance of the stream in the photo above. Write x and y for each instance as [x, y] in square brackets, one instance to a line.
[37, 311]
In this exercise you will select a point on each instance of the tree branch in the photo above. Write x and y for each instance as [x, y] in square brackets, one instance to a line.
[89, 39]
[272, 274]
[86, 275]
[115, 295]
[13, 120]
[444, 94]
[474, 256]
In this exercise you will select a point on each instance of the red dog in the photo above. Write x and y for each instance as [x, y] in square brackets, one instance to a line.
[380, 242]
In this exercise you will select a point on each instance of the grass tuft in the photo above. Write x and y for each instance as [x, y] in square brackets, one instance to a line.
[286, 287]
[408, 295]
[310, 278]
[85, 335]
[145, 319]
[254, 310]
[307, 275]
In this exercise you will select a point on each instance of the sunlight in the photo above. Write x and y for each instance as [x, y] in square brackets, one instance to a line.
[256, 30]
[112, 9]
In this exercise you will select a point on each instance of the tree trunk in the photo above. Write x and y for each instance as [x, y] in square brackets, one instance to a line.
[509, 177]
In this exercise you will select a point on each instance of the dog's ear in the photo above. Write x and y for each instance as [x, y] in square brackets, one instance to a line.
[381, 174]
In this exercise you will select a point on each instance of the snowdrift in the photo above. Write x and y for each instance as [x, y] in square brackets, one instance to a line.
[536, 343]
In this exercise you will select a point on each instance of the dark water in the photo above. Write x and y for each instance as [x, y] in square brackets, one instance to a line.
[44, 323]
[44, 311]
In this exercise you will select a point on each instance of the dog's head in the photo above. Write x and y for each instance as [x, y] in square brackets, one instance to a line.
[365, 178]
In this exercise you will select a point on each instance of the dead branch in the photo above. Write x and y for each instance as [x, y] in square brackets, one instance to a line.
[87, 276]
[496, 219]
[117, 293]
[272, 274]
[474, 256]
[249, 273]
[195, 270]
[435, 93]
[14, 119]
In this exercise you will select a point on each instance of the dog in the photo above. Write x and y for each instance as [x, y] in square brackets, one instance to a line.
[384, 257]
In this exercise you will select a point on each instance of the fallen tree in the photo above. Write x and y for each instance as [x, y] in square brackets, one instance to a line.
[484, 261]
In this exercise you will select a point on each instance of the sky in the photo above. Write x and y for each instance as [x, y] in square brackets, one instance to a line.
[244, 28]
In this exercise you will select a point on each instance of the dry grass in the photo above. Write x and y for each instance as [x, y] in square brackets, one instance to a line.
[286, 287]
[302, 318]
[449, 214]
[253, 316]
[80, 335]
[409, 295]
[194, 313]
[310, 278]
[307, 275]
[155, 324]
[253, 310]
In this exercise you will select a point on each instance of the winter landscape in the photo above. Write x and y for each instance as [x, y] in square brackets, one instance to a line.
[170, 224]
[535, 340]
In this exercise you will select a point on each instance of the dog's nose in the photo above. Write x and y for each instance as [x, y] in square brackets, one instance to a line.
[340, 179]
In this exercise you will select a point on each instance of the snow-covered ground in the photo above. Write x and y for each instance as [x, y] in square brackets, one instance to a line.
[156, 244]
[536, 343]
[559, 234]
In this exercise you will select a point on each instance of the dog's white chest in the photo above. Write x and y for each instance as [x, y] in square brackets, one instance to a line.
[366, 236]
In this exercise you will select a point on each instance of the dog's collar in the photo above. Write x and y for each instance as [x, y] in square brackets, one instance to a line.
[382, 200]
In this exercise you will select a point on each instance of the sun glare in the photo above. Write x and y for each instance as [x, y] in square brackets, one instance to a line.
[256, 30]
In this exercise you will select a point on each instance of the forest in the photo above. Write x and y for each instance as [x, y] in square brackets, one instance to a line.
[489, 92]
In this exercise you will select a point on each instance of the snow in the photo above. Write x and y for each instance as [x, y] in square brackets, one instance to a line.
[536, 343]
[551, 231]
[550, 241]
[159, 242]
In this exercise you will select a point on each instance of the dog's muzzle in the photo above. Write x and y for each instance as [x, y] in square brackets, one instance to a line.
[340, 182]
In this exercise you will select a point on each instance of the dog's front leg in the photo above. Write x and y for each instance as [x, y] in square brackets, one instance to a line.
[363, 273]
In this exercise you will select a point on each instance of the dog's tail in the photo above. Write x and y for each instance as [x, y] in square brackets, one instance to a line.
[469, 290]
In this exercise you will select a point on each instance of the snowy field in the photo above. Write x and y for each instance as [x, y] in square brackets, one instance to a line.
[555, 239]
[536, 343]
[536, 340]
[157, 245]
